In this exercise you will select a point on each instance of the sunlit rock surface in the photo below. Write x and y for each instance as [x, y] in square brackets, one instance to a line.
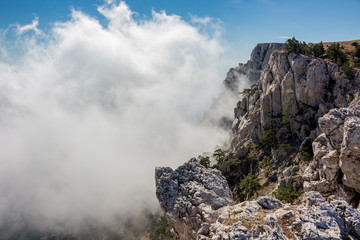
[198, 203]
[299, 98]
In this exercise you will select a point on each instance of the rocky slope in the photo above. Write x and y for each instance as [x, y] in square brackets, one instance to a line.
[198, 203]
[296, 127]
[336, 164]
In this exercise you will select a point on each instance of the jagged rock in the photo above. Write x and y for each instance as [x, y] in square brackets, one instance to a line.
[337, 149]
[194, 215]
[269, 202]
[305, 87]
[243, 75]
[350, 152]
[190, 194]
[293, 93]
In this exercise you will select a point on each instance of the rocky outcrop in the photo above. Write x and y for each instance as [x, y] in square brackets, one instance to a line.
[336, 163]
[197, 201]
[191, 195]
[291, 94]
[239, 77]
[259, 58]
[295, 100]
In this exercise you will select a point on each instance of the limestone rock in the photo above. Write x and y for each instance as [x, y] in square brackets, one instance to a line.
[243, 75]
[269, 202]
[304, 87]
[197, 202]
[189, 194]
[295, 98]
[337, 149]
[350, 152]
[266, 218]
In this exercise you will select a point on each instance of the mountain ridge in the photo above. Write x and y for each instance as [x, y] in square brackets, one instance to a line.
[296, 129]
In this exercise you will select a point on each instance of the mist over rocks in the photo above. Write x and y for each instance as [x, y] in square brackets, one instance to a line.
[90, 101]
[237, 79]
[190, 194]
[198, 203]
[296, 132]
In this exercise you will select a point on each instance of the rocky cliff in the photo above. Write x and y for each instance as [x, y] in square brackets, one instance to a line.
[297, 128]
[237, 78]
[198, 203]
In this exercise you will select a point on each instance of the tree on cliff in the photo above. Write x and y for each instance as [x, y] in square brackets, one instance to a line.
[219, 155]
[318, 50]
[205, 161]
[250, 185]
[293, 45]
[335, 54]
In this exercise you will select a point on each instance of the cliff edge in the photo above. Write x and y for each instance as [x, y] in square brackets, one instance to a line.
[295, 135]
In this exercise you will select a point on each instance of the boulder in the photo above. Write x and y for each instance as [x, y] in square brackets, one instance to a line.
[336, 152]
[269, 202]
[189, 194]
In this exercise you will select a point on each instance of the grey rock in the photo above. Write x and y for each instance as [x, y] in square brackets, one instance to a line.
[243, 75]
[269, 202]
[337, 149]
[190, 193]
[195, 215]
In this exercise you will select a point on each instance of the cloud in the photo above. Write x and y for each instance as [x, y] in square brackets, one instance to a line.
[86, 116]
[284, 37]
[29, 27]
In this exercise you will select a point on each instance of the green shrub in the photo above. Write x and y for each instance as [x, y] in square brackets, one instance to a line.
[160, 229]
[219, 155]
[247, 91]
[205, 161]
[267, 164]
[357, 51]
[250, 185]
[318, 50]
[267, 138]
[232, 162]
[293, 45]
[251, 159]
[335, 54]
[284, 148]
[306, 150]
[294, 170]
[287, 113]
[267, 183]
[348, 70]
[287, 194]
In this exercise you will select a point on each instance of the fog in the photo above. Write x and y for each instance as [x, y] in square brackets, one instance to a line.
[88, 109]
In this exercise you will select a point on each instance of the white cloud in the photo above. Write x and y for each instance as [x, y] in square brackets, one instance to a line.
[86, 117]
[29, 27]
[284, 37]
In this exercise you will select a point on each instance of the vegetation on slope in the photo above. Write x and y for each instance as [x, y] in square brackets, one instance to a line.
[348, 58]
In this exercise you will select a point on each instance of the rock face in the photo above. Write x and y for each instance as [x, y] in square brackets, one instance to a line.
[190, 194]
[241, 76]
[259, 58]
[197, 201]
[298, 127]
[301, 88]
[336, 153]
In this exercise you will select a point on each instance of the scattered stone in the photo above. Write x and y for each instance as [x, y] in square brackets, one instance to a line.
[269, 202]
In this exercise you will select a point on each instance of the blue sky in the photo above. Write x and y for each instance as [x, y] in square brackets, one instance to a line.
[245, 22]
